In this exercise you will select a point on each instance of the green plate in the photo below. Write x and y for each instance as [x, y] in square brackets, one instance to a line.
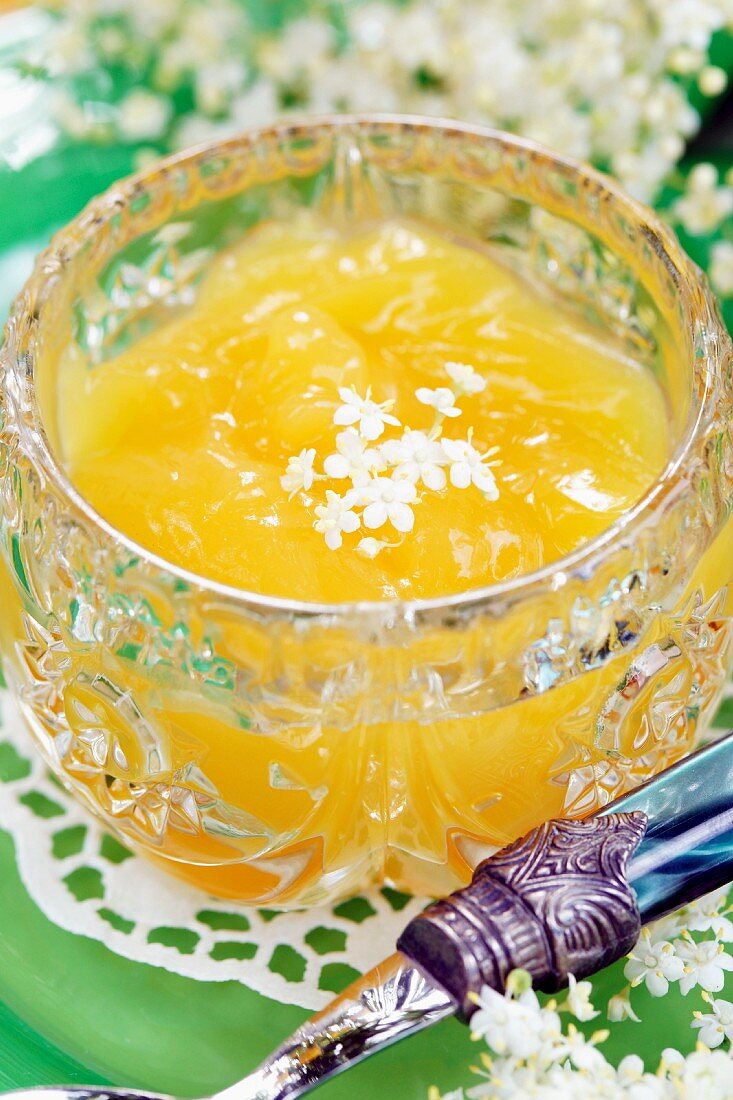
[71, 1010]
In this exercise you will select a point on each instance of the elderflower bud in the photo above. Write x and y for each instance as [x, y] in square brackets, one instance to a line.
[299, 473]
[712, 80]
[619, 1008]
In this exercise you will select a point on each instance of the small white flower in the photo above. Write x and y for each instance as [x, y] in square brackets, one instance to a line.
[712, 80]
[581, 1051]
[650, 1087]
[143, 116]
[630, 1069]
[704, 964]
[71, 51]
[688, 22]
[344, 83]
[442, 400]
[655, 964]
[667, 107]
[666, 928]
[355, 458]
[467, 466]
[256, 106]
[578, 1000]
[671, 1057]
[217, 83]
[705, 1074]
[465, 379]
[417, 457]
[336, 517]
[704, 205]
[716, 1026]
[370, 416]
[388, 499]
[371, 23]
[685, 61]
[642, 171]
[299, 473]
[304, 43]
[561, 126]
[721, 268]
[704, 915]
[508, 1026]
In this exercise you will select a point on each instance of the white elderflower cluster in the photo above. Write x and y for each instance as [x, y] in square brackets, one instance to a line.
[386, 478]
[715, 1026]
[156, 48]
[600, 84]
[607, 83]
[667, 951]
[532, 1053]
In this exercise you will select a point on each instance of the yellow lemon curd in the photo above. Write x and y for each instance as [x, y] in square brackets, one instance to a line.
[220, 441]
[182, 442]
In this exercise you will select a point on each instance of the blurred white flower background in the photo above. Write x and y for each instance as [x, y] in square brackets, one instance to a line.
[624, 84]
[604, 81]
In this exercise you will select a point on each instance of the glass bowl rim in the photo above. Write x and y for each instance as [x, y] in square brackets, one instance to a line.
[550, 577]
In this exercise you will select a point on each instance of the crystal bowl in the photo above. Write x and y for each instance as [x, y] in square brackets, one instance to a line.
[284, 752]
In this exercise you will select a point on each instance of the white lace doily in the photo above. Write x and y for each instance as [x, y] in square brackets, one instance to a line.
[84, 881]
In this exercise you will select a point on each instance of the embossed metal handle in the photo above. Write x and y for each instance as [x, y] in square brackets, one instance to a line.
[556, 902]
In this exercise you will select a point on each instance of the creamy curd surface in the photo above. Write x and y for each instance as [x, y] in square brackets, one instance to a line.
[191, 441]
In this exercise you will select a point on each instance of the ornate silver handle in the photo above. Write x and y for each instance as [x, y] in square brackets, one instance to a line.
[556, 902]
